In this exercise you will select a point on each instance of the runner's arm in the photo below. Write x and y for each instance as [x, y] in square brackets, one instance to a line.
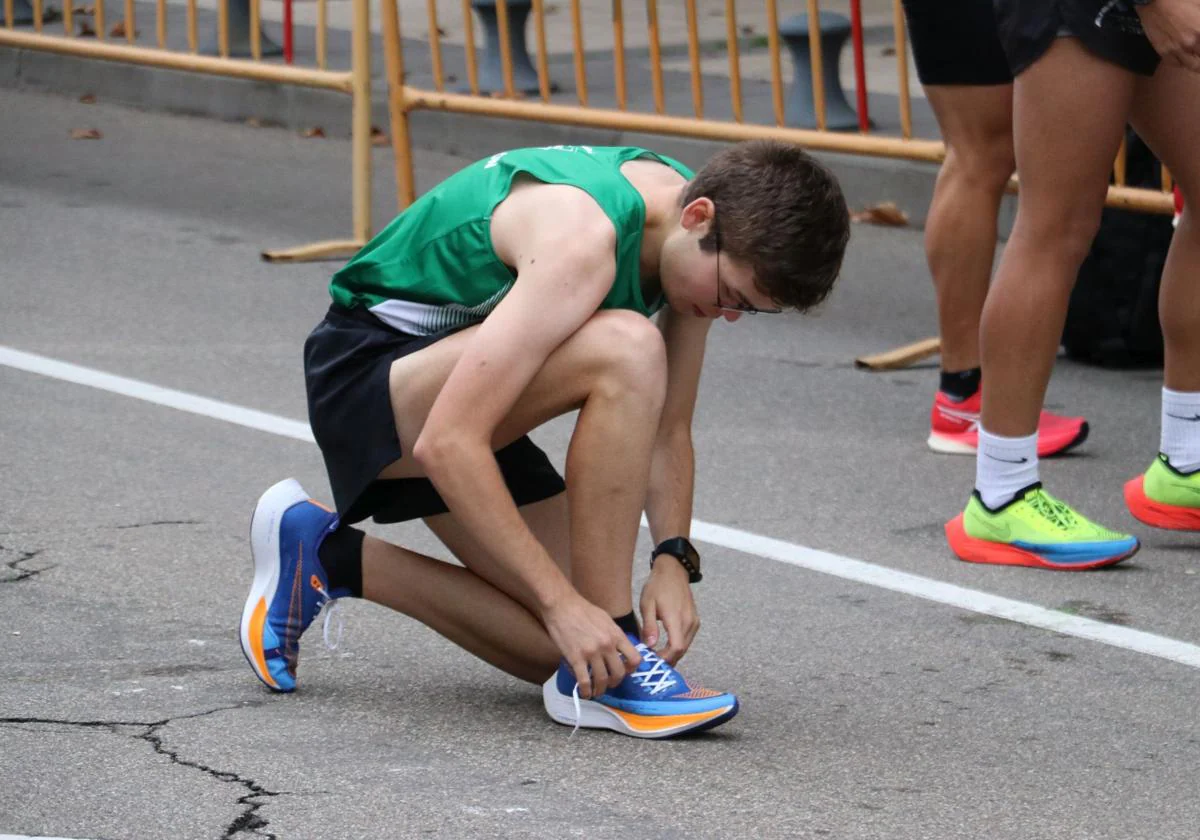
[666, 596]
[563, 248]
[564, 255]
[672, 466]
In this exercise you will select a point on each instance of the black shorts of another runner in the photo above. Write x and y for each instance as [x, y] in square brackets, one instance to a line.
[956, 42]
[1110, 29]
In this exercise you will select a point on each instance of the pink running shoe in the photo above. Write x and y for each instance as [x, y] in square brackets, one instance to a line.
[954, 428]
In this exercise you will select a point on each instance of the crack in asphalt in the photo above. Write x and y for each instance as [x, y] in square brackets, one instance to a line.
[248, 822]
[159, 522]
[20, 574]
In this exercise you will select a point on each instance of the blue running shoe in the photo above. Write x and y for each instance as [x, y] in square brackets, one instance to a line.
[289, 586]
[653, 702]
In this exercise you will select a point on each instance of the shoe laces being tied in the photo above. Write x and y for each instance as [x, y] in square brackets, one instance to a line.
[658, 677]
[1057, 512]
[333, 615]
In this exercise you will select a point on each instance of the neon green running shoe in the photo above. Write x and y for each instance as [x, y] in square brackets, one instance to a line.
[1164, 497]
[1035, 529]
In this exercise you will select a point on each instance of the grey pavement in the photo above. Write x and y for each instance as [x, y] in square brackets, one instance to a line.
[127, 711]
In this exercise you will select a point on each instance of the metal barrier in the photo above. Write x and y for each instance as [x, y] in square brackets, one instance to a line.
[405, 98]
[356, 82]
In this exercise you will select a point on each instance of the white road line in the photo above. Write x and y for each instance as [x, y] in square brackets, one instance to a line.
[825, 562]
[169, 397]
[23, 837]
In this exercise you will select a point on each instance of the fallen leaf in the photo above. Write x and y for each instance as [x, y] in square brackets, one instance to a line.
[85, 30]
[451, 78]
[378, 137]
[86, 134]
[88, 99]
[884, 213]
[254, 122]
[315, 131]
[551, 8]
[747, 30]
[888, 51]
[87, 10]
[118, 30]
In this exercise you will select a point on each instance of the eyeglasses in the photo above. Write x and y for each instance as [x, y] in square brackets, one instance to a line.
[736, 306]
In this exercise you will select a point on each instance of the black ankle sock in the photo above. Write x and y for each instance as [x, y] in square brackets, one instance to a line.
[961, 385]
[629, 624]
[341, 558]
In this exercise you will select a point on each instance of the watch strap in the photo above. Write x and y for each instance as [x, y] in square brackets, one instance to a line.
[682, 550]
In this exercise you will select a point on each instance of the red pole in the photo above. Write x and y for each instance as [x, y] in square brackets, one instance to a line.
[860, 68]
[287, 31]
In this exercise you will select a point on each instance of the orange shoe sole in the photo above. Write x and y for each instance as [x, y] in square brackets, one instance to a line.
[1158, 514]
[974, 550]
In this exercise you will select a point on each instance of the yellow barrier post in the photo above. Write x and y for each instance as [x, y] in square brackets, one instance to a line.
[655, 56]
[435, 44]
[815, 64]
[898, 25]
[694, 59]
[776, 64]
[580, 68]
[735, 64]
[406, 192]
[543, 67]
[618, 22]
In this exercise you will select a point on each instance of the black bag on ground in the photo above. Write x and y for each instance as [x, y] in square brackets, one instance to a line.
[1112, 318]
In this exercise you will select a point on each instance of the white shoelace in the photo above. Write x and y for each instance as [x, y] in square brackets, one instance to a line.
[660, 676]
[333, 613]
[578, 710]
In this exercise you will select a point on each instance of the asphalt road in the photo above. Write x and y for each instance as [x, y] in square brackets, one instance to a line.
[127, 711]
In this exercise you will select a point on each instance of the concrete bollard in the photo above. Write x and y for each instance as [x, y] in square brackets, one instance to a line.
[491, 71]
[239, 34]
[800, 111]
[22, 13]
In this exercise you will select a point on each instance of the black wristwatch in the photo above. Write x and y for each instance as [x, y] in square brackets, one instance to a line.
[684, 552]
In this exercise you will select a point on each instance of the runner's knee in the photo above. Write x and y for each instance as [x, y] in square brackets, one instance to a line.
[984, 163]
[630, 350]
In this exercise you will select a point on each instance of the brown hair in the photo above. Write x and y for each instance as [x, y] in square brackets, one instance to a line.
[779, 212]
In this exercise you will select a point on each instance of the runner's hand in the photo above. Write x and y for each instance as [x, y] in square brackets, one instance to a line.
[598, 653]
[666, 597]
[1173, 27]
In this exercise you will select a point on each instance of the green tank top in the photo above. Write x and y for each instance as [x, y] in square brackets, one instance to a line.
[433, 267]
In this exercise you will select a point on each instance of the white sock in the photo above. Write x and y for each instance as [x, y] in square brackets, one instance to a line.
[1003, 466]
[1181, 429]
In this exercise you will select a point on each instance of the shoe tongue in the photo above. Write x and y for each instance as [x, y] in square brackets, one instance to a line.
[1036, 487]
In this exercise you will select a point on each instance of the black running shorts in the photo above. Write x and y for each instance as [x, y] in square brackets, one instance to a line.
[1110, 29]
[347, 362]
[955, 42]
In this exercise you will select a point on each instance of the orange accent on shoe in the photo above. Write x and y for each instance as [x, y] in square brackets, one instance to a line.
[1159, 514]
[321, 506]
[973, 550]
[697, 694]
[257, 620]
[659, 723]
